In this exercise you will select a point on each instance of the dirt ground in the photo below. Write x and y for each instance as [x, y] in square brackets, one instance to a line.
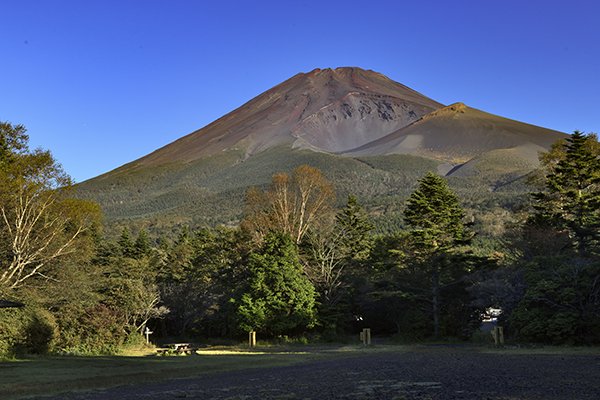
[427, 372]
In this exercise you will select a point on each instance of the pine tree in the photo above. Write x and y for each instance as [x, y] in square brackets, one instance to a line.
[435, 216]
[126, 245]
[561, 303]
[355, 228]
[279, 299]
[142, 245]
[571, 199]
[437, 230]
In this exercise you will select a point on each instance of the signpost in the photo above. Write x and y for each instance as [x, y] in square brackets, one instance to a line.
[148, 332]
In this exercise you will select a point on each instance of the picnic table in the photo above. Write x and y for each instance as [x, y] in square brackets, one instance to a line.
[176, 348]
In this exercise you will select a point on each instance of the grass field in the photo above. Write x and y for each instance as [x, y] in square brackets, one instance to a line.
[55, 375]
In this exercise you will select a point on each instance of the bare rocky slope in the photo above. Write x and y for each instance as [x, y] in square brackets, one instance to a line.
[324, 110]
[370, 135]
[457, 133]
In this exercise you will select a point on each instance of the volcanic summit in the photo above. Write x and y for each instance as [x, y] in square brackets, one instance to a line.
[356, 125]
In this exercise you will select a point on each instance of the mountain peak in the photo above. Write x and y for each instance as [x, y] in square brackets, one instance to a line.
[346, 111]
[338, 70]
[329, 110]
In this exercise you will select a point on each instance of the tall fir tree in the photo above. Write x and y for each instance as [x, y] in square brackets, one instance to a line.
[278, 299]
[561, 249]
[571, 199]
[437, 231]
[355, 229]
[142, 245]
[126, 244]
[435, 216]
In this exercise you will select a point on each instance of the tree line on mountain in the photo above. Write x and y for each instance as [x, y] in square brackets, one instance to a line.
[297, 266]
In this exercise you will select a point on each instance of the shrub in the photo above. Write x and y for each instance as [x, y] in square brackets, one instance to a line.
[26, 331]
[96, 331]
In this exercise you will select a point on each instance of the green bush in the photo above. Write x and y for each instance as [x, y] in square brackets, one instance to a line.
[26, 331]
[11, 328]
[95, 331]
[559, 305]
[41, 332]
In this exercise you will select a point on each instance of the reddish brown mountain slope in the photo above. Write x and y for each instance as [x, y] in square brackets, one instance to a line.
[329, 110]
[371, 136]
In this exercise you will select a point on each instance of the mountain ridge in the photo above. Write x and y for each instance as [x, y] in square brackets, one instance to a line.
[367, 133]
[303, 100]
[463, 135]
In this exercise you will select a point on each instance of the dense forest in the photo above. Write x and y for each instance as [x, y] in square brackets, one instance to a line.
[297, 267]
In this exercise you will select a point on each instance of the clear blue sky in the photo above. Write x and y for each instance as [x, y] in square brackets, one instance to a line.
[103, 82]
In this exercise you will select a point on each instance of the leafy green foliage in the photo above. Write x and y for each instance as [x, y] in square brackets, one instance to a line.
[39, 223]
[560, 251]
[431, 265]
[30, 330]
[435, 217]
[200, 273]
[334, 258]
[95, 330]
[279, 299]
[571, 200]
[13, 142]
[562, 301]
[355, 229]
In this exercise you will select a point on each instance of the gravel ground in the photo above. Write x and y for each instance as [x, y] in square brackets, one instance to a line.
[425, 373]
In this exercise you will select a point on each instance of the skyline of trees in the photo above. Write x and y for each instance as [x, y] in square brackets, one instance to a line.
[296, 265]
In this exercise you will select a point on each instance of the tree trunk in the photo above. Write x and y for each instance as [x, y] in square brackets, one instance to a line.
[435, 301]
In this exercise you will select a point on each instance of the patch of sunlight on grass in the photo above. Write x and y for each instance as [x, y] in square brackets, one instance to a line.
[138, 352]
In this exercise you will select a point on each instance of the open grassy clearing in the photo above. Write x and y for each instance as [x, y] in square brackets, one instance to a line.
[53, 375]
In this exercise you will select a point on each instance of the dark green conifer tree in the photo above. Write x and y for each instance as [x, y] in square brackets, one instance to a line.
[571, 199]
[355, 230]
[126, 244]
[561, 249]
[142, 245]
[437, 232]
[435, 216]
[278, 299]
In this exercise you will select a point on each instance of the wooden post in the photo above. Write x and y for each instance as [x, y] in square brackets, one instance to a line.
[498, 335]
[494, 336]
[501, 335]
[252, 338]
[365, 336]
